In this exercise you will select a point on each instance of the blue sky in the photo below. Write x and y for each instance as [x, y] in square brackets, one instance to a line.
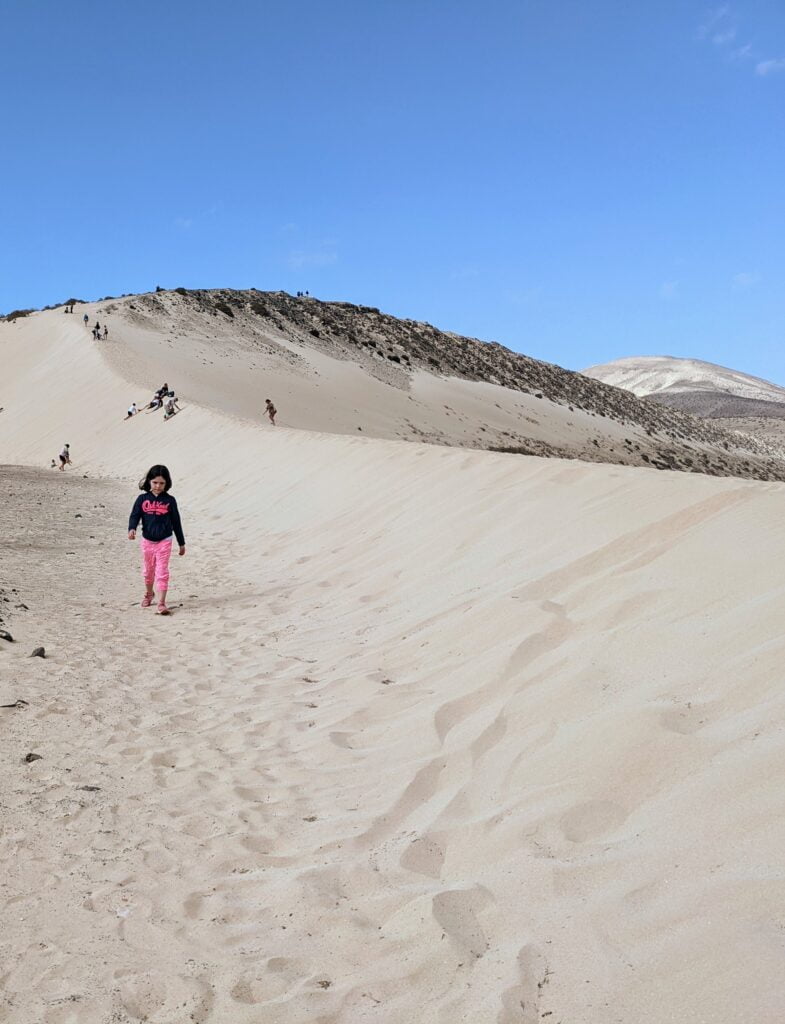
[578, 180]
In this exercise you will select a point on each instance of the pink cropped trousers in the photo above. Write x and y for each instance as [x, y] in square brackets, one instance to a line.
[155, 562]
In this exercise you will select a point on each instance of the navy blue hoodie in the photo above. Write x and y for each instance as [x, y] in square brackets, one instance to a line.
[160, 517]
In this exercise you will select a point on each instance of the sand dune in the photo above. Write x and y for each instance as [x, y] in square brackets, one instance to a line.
[338, 368]
[433, 735]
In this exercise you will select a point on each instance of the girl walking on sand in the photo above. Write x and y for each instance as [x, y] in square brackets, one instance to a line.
[160, 517]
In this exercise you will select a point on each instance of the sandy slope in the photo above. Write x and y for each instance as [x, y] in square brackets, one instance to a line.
[232, 367]
[435, 736]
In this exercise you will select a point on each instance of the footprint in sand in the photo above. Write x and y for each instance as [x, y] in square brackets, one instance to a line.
[164, 759]
[158, 859]
[591, 820]
[163, 998]
[521, 1003]
[425, 856]
[270, 982]
[456, 911]
[684, 718]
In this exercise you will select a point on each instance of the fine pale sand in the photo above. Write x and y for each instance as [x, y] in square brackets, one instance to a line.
[433, 736]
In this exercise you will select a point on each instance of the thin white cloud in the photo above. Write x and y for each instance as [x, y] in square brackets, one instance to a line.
[669, 290]
[720, 29]
[722, 38]
[743, 52]
[320, 255]
[770, 67]
[744, 281]
[713, 19]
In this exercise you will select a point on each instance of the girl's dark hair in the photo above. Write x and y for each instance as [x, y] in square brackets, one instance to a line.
[152, 472]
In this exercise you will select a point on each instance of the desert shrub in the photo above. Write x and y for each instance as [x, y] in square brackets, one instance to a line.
[259, 308]
[315, 333]
[181, 291]
[394, 358]
[223, 308]
[17, 313]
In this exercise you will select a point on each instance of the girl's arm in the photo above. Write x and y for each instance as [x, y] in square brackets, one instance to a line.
[136, 515]
[174, 513]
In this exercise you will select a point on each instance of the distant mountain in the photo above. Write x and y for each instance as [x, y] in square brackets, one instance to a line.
[693, 386]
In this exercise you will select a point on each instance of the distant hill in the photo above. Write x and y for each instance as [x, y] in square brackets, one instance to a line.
[693, 386]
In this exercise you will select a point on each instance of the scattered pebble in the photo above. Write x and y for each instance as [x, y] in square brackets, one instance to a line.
[29, 758]
[5, 635]
[38, 652]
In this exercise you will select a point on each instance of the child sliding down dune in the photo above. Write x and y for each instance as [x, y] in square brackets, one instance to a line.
[160, 517]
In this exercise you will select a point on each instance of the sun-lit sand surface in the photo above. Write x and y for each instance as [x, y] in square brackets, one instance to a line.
[434, 735]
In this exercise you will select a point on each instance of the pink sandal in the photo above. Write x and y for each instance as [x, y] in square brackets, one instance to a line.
[162, 610]
[147, 600]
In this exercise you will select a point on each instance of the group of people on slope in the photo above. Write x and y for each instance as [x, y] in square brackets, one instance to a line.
[163, 398]
[97, 331]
